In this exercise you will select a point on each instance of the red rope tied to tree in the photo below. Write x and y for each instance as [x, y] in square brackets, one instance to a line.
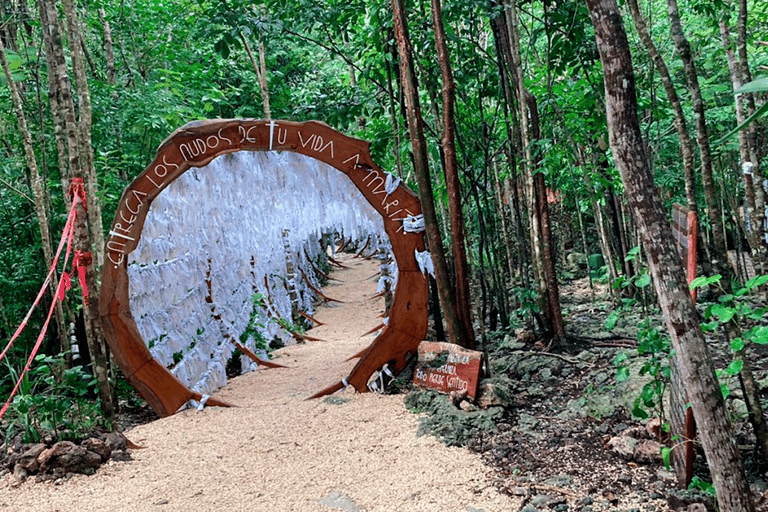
[81, 259]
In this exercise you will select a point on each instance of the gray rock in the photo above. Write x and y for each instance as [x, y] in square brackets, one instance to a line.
[542, 500]
[623, 446]
[97, 446]
[339, 500]
[648, 452]
[561, 480]
[527, 423]
[492, 392]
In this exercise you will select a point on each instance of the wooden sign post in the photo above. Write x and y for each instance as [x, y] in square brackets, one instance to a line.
[446, 367]
[682, 424]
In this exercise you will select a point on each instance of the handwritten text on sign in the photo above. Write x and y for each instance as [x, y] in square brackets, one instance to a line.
[446, 367]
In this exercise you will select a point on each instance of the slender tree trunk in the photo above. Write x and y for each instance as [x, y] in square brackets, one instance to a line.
[453, 184]
[40, 197]
[79, 157]
[506, 233]
[686, 144]
[394, 118]
[548, 260]
[527, 166]
[696, 366]
[702, 138]
[421, 171]
[260, 69]
[84, 123]
[263, 80]
[754, 231]
[109, 50]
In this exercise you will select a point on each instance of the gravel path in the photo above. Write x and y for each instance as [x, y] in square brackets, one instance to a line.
[278, 451]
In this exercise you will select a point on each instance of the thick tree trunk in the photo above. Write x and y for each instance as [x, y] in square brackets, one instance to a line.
[421, 171]
[453, 184]
[669, 279]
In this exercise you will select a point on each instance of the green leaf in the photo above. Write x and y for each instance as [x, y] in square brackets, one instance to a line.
[639, 412]
[610, 322]
[756, 282]
[734, 368]
[723, 313]
[758, 334]
[759, 112]
[666, 451]
[703, 281]
[737, 345]
[643, 281]
[725, 390]
[757, 85]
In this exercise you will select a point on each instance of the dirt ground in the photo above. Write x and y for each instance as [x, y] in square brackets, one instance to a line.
[278, 451]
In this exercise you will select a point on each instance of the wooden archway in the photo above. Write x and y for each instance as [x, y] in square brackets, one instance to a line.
[195, 145]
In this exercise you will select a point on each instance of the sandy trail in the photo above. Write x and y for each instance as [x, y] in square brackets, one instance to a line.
[278, 451]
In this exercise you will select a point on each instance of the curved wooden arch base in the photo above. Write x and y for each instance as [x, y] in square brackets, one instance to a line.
[195, 145]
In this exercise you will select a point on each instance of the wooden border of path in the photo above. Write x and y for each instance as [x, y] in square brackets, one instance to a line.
[195, 145]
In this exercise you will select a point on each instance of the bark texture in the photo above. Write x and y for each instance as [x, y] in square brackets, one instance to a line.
[453, 184]
[680, 316]
[421, 172]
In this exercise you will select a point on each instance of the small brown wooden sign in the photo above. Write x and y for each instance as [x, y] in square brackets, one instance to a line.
[446, 367]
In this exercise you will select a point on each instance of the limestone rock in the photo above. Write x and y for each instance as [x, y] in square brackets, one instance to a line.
[623, 446]
[648, 452]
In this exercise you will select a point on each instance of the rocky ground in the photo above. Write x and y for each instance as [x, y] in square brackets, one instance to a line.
[567, 439]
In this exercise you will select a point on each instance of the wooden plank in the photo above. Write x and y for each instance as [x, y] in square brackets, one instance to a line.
[446, 367]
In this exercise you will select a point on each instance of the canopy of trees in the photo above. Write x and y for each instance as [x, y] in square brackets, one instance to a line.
[495, 113]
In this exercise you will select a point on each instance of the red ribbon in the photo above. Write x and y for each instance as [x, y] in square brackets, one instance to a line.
[81, 259]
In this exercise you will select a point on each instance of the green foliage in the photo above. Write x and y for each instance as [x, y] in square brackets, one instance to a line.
[747, 315]
[656, 348]
[702, 485]
[54, 401]
[254, 327]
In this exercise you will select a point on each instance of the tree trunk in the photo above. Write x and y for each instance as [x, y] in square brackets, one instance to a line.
[109, 49]
[421, 171]
[755, 231]
[686, 144]
[696, 366]
[527, 166]
[702, 139]
[88, 229]
[40, 197]
[548, 261]
[453, 184]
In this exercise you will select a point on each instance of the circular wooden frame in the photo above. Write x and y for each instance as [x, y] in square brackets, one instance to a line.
[195, 145]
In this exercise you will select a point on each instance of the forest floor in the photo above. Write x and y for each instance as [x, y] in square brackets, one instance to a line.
[561, 437]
